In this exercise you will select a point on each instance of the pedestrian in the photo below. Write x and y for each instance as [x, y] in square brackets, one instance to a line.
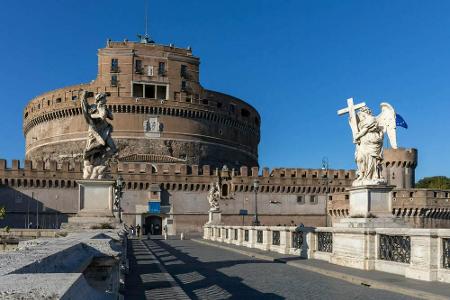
[132, 230]
[138, 230]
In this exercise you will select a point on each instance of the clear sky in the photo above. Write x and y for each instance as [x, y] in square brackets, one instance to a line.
[295, 61]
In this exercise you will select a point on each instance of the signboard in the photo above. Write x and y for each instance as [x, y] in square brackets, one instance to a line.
[154, 207]
[243, 212]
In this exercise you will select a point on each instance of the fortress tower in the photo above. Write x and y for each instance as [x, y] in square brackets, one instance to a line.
[399, 167]
[162, 114]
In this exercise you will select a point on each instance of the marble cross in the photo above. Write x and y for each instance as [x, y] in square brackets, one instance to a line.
[351, 110]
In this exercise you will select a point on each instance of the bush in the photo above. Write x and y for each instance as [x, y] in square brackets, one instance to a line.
[436, 182]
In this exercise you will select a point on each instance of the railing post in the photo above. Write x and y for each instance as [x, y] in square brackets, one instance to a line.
[285, 242]
[252, 237]
[425, 254]
[267, 238]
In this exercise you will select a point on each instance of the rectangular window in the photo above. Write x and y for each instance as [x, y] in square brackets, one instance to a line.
[162, 69]
[138, 66]
[138, 90]
[150, 91]
[114, 80]
[232, 108]
[150, 71]
[161, 91]
[183, 72]
[300, 200]
[114, 65]
[183, 85]
[312, 199]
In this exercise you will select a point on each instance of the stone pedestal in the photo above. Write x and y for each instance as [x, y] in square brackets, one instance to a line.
[95, 198]
[371, 207]
[354, 238]
[95, 203]
[370, 201]
[215, 217]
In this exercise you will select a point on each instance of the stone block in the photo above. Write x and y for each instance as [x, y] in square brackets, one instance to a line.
[367, 201]
[95, 198]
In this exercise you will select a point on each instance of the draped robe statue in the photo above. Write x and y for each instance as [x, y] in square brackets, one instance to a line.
[369, 149]
[368, 136]
[214, 196]
[100, 146]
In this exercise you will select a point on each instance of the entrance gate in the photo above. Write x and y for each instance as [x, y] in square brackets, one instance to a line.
[153, 225]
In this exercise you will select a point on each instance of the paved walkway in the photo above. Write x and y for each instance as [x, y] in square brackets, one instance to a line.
[186, 269]
[373, 279]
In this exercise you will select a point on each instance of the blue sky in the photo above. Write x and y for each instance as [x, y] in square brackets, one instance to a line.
[296, 61]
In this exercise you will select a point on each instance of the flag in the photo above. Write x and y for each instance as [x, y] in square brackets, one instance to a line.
[400, 121]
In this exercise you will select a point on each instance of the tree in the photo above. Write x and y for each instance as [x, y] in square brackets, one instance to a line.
[435, 182]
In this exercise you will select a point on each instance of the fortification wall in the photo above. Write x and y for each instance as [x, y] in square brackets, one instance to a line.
[284, 195]
[421, 207]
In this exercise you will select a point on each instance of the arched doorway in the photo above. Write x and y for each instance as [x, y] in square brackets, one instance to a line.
[153, 225]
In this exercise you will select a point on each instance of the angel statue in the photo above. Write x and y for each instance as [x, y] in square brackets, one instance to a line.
[368, 136]
[214, 196]
[100, 146]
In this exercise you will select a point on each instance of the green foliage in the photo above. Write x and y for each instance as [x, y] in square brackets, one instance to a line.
[436, 182]
[2, 212]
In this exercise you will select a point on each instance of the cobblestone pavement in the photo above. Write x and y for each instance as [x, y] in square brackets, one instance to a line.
[177, 269]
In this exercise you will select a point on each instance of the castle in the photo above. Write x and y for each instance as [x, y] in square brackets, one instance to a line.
[176, 138]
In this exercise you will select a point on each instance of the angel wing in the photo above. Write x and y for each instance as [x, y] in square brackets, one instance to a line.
[386, 120]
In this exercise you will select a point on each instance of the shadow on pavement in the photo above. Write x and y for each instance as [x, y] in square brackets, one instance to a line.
[202, 280]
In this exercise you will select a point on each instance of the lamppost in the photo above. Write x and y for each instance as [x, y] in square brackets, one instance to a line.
[118, 193]
[325, 167]
[255, 188]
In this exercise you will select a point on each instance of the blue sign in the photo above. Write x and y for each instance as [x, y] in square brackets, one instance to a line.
[154, 207]
[243, 212]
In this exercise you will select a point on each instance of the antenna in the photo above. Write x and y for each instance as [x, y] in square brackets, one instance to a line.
[145, 39]
[146, 17]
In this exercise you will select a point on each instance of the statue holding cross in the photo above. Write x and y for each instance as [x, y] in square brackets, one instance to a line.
[368, 136]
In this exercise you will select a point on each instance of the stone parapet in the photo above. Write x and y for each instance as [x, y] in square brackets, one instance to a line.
[422, 254]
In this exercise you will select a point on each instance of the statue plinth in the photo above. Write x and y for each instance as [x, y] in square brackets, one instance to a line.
[95, 198]
[215, 217]
[370, 201]
[95, 203]
[371, 207]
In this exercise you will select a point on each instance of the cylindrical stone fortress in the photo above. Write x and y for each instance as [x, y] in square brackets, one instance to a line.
[161, 112]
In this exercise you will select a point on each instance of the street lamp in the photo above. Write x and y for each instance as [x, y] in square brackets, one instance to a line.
[118, 193]
[255, 188]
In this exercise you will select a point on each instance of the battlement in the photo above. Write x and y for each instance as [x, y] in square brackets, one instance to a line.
[401, 157]
[132, 168]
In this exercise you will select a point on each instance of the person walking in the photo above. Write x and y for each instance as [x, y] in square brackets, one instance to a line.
[138, 230]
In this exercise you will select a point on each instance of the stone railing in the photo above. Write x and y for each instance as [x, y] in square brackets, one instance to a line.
[281, 239]
[422, 254]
